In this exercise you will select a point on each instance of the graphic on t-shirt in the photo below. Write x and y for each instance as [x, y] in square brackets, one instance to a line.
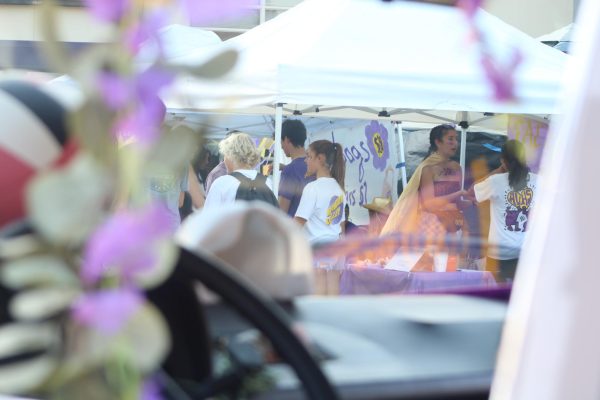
[517, 209]
[335, 210]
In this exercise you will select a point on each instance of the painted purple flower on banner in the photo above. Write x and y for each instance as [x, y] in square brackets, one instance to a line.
[106, 311]
[377, 140]
[501, 77]
[126, 244]
[108, 10]
[146, 30]
[206, 12]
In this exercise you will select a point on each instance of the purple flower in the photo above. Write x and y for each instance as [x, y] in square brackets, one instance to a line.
[142, 124]
[146, 30]
[108, 10]
[148, 111]
[106, 311]
[150, 390]
[150, 82]
[501, 77]
[117, 91]
[377, 140]
[114, 89]
[470, 7]
[206, 12]
[126, 243]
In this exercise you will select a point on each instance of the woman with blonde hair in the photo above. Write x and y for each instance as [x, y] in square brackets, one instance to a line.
[241, 158]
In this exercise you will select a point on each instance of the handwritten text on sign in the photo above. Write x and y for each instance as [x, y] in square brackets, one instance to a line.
[354, 156]
[369, 164]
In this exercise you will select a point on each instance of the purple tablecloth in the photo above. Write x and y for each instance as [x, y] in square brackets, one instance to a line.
[376, 280]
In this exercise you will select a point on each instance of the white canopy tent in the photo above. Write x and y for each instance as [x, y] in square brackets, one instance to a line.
[361, 58]
[564, 34]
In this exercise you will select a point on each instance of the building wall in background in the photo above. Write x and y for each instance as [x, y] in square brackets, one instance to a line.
[20, 28]
[534, 17]
[19, 22]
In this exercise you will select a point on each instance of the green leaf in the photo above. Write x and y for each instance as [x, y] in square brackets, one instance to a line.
[54, 50]
[214, 68]
[144, 341]
[66, 205]
[37, 270]
[92, 125]
[147, 338]
[19, 246]
[37, 304]
[167, 254]
[25, 375]
[175, 149]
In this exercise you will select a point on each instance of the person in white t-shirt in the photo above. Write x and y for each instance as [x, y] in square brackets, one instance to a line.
[240, 155]
[321, 208]
[511, 190]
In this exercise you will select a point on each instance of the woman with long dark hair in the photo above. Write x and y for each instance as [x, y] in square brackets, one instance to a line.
[321, 208]
[511, 190]
[428, 204]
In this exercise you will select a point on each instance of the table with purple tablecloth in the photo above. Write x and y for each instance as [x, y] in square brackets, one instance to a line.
[376, 280]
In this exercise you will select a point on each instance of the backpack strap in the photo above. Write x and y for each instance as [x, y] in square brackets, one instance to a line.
[260, 178]
[241, 177]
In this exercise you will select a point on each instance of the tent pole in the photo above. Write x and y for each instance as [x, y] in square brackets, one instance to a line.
[277, 151]
[464, 127]
[400, 150]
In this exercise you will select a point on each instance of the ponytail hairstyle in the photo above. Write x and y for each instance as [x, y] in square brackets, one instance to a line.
[513, 154]
[334, 158]
[437, 133]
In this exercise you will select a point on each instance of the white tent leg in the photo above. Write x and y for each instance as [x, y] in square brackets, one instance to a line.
[277, 147]
[400, 149]
[463, 153]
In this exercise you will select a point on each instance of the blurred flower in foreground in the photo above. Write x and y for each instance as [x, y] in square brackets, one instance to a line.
[501, 77]
[150, 390]
[470, 7]
[108, 10]
[204, 12]
[106, 311]
[146, 30]
[126, 244]
[118, 92]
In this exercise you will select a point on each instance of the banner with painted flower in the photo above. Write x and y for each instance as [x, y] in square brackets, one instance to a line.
[369, 151]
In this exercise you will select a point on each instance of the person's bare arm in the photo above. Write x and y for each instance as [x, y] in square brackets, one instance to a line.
[195, 189]
[284, 204]
[299, 220]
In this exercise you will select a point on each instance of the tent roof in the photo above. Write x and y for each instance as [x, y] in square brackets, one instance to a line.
[361, 53]
[563, 34]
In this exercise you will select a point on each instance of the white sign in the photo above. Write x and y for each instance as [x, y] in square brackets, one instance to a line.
[370, 160]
